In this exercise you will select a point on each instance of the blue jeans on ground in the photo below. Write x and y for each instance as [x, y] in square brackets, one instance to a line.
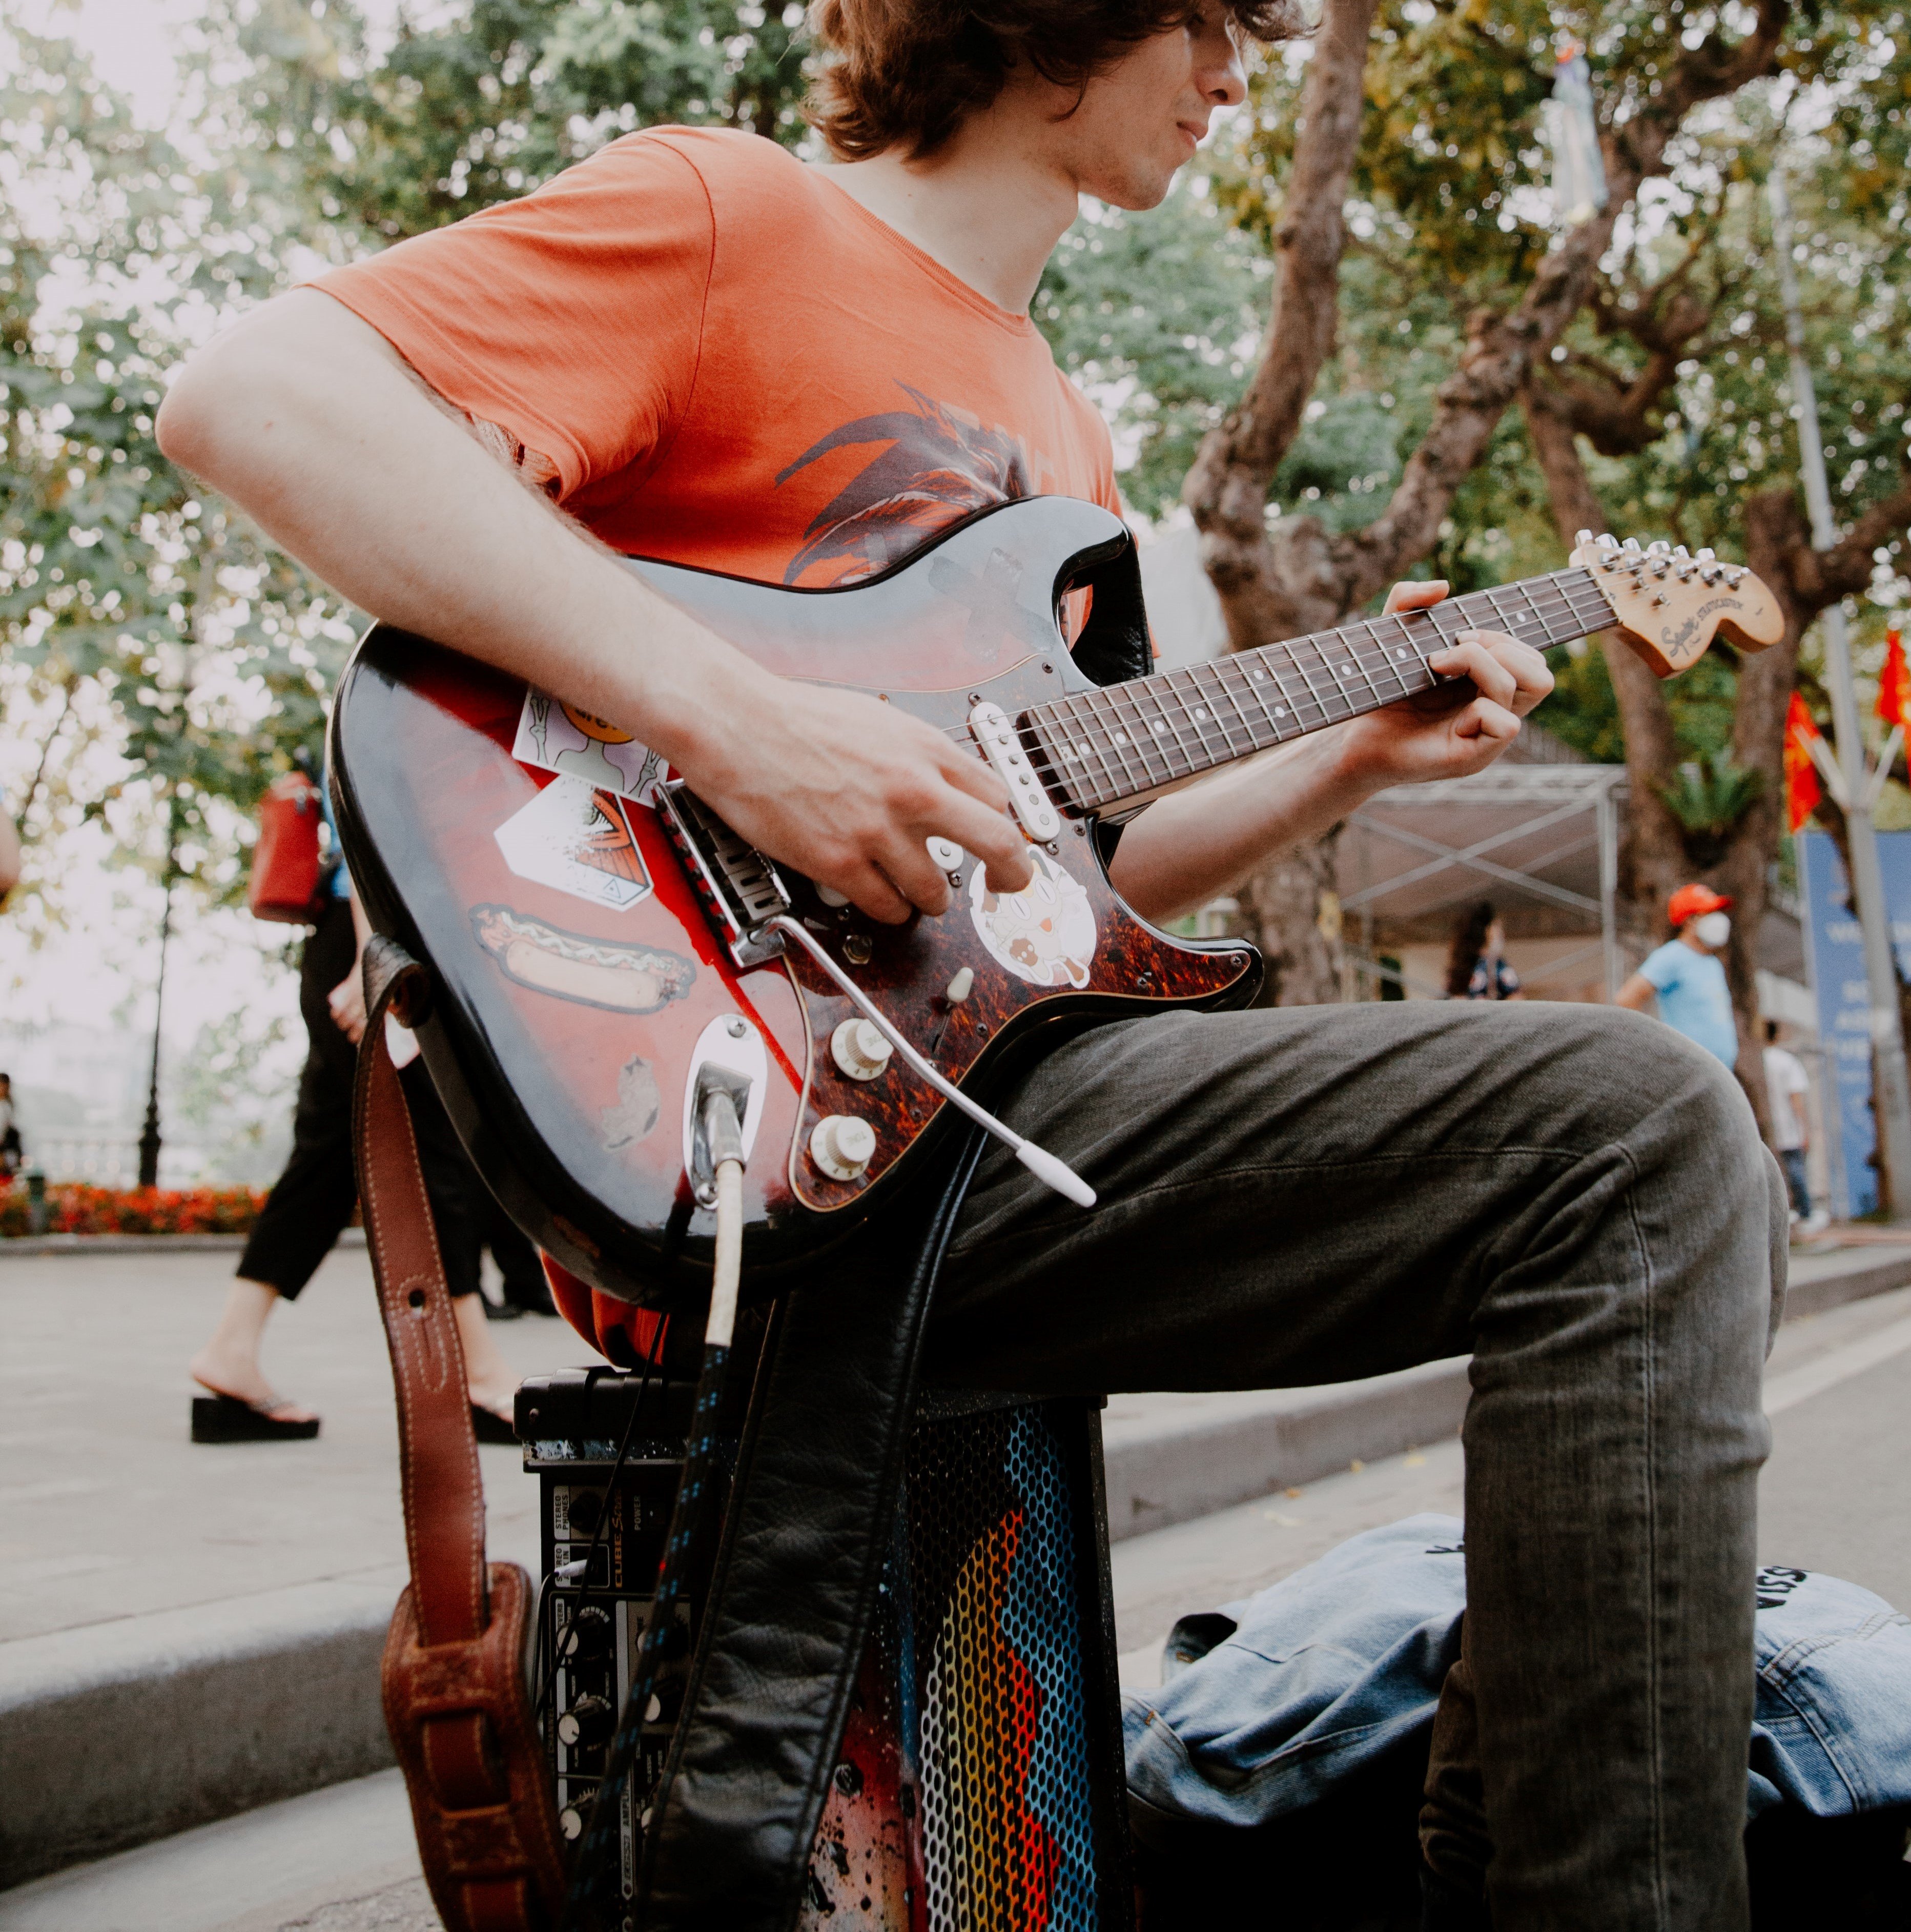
[1575, 1195]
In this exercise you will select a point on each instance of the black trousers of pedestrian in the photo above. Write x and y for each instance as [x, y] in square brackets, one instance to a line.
[313, 1199]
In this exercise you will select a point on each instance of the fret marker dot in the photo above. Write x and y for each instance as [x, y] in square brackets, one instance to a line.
[1200, 711]
[1281, 711]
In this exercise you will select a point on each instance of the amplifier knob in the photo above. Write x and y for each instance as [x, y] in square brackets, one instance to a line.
[593, 1643]
[843, 1145]
[570, 1823]
[588, 1722]
[860, 1050]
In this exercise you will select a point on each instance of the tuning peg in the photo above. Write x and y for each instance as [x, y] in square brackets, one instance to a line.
[1581, 537]
[1733, 572]
[1704, 556]
[1631, 547]
[1680, 551]
[1660, 549]
[1609, 541]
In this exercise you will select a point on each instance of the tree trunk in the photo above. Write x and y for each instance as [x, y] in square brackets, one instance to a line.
[1293, 912]
[1299, 577]
[1652, 858]
[1655, 860]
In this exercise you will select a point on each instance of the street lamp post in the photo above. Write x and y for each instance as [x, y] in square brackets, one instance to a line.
[149, 1135]
[1853, 785]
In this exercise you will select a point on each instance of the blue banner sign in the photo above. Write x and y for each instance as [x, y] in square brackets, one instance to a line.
[1834, 951]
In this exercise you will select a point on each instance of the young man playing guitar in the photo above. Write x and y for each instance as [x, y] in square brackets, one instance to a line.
[704, 350]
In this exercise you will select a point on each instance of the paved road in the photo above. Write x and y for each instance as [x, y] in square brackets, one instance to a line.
[1834, 1498]
[108, 1510]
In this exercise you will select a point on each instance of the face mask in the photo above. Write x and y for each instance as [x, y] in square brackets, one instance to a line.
[1714, 928]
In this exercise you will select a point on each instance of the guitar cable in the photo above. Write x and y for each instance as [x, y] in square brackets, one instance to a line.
[591, 1899]
[1043, 1165]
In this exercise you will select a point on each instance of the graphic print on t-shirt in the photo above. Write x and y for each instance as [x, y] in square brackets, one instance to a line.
[940, 465]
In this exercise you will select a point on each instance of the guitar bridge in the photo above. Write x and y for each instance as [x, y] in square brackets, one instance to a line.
[739, 887]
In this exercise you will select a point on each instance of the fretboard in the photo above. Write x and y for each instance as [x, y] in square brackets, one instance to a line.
[1098, 749]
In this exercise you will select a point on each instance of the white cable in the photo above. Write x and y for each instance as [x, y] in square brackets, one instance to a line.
[1043, 1165]
[729, 1264]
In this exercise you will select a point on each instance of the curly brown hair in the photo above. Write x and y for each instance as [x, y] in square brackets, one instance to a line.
[906, 73]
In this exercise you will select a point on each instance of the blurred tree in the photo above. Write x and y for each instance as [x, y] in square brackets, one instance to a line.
[1396, 170]
[496, 95]
[165, 661]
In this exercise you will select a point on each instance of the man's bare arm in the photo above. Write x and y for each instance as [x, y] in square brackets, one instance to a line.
[307, 418]
[1638, 993]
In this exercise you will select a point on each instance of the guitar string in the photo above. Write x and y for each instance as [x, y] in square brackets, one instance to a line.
[1572, 598]
[1571, 603]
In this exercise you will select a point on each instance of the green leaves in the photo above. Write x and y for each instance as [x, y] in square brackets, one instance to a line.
[179, 660]
[1710, 796]
[1156, 315]
[497, 97]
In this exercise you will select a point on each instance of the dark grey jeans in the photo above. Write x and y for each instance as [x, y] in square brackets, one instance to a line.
[1577, 1196]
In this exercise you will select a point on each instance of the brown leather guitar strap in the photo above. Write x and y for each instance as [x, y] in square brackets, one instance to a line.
[452, 1675]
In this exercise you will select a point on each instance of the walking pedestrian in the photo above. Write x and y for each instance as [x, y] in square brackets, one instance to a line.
[1477, 967]
[313, 1199]
[1686, 977]
[10, 851]
[1785, 1089]
[11, 1153]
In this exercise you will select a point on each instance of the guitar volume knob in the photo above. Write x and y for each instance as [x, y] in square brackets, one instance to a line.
[843, 1145]
[859, 1050]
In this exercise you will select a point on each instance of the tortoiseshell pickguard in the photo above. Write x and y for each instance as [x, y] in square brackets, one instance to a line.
[1133, 970]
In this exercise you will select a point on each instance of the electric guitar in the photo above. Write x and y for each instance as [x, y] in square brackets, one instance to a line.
[603, 950]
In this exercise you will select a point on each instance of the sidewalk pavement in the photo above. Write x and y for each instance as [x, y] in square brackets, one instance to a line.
[342, 1859]
[187, 1632]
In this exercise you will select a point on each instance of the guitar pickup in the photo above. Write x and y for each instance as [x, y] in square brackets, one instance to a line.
[1001, 744]
[739, 887]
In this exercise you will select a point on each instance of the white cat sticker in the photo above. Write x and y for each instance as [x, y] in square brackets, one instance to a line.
[1044, 934]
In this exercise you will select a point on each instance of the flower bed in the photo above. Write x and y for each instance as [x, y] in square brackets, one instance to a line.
[76, 1208]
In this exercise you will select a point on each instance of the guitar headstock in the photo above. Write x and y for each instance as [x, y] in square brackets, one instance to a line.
[1670, 606]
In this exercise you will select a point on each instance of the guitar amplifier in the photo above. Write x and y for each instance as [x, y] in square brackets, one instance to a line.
[980, 1780]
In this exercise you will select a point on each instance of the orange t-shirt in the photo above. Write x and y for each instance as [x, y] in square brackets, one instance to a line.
[717, 358]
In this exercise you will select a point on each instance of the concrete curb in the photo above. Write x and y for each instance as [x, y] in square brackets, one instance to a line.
[22, 1246]
[1859, 1283]
[1174, 1475]
[117, 1734]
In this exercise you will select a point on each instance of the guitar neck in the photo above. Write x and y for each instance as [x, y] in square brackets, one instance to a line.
[1097, 749]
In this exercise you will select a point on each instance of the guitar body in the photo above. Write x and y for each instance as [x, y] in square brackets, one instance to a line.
[565, 1029]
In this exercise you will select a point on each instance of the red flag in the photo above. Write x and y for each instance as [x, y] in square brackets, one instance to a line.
[1894, 682]
[1802, 789]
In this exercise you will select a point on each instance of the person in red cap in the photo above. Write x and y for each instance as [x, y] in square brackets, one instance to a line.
[1685, 976]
